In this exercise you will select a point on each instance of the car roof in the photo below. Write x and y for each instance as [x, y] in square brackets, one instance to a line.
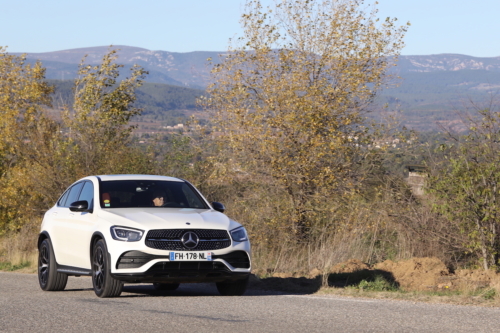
[136, 177]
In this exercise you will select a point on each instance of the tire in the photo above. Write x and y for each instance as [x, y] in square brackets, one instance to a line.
[166, 286]
[232, 288]
[48, 277]
[104, 284]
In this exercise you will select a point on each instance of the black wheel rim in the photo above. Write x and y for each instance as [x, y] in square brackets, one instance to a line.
[43, 264]
[98, 268]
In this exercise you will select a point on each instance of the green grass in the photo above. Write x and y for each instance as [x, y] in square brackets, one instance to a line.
[440, 293]
[489, 294]
[485, 293]
[7, 266]
[379, 283]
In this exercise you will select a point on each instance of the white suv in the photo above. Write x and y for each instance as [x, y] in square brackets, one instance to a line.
[141, 229]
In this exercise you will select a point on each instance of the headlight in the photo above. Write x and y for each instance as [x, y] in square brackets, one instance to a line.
[239, 234]
[126, 234]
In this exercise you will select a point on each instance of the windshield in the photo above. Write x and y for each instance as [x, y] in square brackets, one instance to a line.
[149, 193]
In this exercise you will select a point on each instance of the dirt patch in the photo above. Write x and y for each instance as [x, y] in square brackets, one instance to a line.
[478, 278]
[419, 274]
[416, 274]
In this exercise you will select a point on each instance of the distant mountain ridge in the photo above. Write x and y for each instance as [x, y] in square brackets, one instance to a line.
[190, 69]
[429, 92]
[447, 62]
[184, 69]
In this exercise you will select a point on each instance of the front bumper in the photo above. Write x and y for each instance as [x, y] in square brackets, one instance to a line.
[184, 272]
[147, 262]
[137, 267]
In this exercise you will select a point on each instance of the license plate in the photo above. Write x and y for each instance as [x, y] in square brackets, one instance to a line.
[190, 256]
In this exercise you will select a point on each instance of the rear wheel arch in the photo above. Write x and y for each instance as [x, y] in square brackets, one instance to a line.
[48, 276]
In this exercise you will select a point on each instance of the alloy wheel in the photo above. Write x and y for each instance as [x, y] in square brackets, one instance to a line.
[99, 268]
[43, 264]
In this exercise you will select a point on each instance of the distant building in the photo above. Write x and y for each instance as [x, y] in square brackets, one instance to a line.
[416, 178]
[178, 126]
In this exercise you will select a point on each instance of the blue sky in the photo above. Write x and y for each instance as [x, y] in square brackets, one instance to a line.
[470, 27]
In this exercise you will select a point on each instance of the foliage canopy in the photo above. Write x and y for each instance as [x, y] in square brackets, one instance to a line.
[467, 185]
[289, 97]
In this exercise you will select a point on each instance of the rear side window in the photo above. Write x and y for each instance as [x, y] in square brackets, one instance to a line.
[74, 192]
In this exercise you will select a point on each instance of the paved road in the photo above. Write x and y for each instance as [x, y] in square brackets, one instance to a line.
[198, 308]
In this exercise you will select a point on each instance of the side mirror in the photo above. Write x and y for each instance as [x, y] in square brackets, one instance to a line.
[218, 207]
[80, 206]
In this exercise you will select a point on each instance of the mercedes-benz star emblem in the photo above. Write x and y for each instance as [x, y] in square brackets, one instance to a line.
[190, 240]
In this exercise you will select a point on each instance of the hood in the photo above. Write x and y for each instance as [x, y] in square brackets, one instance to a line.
[168, 218]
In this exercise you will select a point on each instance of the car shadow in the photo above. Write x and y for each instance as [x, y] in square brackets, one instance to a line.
[304, 285]
[263, 286]
[256, 287]
[188, 289]
[344, 280]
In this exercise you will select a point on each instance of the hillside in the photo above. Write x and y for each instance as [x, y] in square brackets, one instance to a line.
[432, 87]
[168, 104]
[427, 99]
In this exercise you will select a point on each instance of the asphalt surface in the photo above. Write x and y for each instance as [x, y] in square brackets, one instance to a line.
[24, 307]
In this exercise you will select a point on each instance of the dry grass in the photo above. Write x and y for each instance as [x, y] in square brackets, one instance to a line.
[371, 227]
[302, 258]
[18, 249]
[483, 297]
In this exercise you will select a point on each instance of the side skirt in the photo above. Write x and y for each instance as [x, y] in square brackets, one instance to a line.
[73, 271]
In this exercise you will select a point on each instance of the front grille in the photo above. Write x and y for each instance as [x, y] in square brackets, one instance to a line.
[177, 233]
[170, 239]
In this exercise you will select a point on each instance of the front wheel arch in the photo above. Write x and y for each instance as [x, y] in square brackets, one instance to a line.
[41, 237]
[95, 238]
[105, 285]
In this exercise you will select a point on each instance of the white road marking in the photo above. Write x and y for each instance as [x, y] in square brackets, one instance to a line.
[334, 298]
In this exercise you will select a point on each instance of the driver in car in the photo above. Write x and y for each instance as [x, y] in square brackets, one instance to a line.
[158, 198]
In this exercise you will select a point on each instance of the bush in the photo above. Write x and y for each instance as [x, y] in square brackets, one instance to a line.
[378, 284]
